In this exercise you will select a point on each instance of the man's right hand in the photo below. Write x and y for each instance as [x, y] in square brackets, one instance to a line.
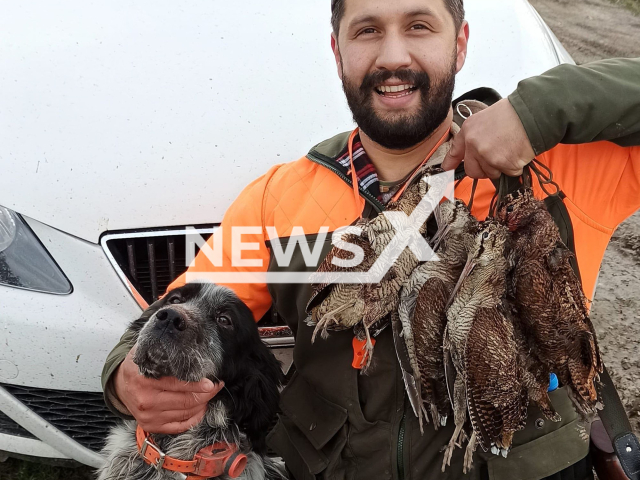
[166, 406]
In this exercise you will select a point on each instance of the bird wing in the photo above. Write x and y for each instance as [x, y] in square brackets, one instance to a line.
[495, 394]
[573, 302]
[428, 324]
[320, 291]
[403, 343]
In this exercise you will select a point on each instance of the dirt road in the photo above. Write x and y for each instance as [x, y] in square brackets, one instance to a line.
[591, 30]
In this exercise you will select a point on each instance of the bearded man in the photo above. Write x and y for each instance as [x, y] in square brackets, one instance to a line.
[397, 61]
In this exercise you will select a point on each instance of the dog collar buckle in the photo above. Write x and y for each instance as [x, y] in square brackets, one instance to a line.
[161, 456]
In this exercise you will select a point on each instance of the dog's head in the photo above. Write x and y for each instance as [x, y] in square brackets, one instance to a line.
[205, 331]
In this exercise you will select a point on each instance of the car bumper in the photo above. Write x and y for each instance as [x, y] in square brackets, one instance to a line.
[59, 342]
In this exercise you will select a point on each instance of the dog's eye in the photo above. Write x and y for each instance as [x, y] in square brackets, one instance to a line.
[510, 209]
[224, 321]
[175, 300]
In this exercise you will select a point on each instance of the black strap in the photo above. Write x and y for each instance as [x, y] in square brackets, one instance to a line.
[616, 423]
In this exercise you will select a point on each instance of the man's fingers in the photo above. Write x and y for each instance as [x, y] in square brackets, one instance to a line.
[183, 400]
[177, 427]
[456, 153]
[490, 171]
[473, 168]
[172, 384]
[181, 415]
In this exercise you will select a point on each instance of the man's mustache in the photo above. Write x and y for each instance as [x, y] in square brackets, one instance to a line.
[421, 80]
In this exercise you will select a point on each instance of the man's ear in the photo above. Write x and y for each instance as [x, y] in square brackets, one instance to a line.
[336, 54]
[462, 43]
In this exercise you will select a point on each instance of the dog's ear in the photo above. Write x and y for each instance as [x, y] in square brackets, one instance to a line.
[256, 404]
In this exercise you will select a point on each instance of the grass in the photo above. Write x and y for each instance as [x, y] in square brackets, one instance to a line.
[14, 469]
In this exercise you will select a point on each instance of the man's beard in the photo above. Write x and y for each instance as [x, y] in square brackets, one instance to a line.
[405, 130]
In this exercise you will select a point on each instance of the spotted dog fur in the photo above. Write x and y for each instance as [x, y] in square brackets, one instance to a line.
[203, 331]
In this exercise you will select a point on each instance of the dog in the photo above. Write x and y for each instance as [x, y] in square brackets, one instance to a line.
[194, 332]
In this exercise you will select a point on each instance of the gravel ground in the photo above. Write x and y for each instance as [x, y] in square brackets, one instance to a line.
[594, 29]
[590, 30]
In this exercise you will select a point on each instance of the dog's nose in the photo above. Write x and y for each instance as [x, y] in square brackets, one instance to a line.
[171, 319]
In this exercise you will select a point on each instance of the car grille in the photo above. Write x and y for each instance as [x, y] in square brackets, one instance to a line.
[149, 261]
[82, 416]
[9, 427]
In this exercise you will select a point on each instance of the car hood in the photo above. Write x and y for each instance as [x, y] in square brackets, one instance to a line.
[114, 116]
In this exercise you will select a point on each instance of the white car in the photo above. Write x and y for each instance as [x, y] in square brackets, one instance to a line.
[122, 123]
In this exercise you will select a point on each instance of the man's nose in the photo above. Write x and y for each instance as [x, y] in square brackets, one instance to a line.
[393, 54]
[170, 321]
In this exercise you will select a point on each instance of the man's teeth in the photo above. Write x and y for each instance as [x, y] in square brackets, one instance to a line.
[394, 88]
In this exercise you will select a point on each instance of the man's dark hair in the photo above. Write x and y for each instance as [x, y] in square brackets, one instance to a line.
[455, 7]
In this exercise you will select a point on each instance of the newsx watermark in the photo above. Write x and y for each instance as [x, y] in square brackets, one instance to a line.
[407, 235]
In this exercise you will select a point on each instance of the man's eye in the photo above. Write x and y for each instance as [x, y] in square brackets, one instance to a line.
[367, 31]
[419, 26]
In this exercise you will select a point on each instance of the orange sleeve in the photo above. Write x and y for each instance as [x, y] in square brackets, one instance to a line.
[246, 211]
[601, 179]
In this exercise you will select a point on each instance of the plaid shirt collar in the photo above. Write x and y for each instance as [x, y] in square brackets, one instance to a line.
[366, 172]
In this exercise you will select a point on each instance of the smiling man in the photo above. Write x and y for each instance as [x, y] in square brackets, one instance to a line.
[397, 61]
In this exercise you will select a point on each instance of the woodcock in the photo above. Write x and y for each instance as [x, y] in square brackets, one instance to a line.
[480, 341]
[340, 306]
[552, 309]
[361, 306]
[422, 311]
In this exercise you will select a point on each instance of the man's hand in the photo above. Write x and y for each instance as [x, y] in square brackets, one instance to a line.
[168, 406]
[491, 142]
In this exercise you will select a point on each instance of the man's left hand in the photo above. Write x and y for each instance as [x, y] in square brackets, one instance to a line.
[491, 142]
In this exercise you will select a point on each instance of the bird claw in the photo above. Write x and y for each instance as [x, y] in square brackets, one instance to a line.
[453, 443]
[468, 455]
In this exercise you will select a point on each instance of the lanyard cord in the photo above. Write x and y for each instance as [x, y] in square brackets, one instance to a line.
[354, 175]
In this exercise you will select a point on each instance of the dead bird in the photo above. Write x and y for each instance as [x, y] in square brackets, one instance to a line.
[365, 306]
[552, 307]
[422, 310]
[480, 340]
[340, 306]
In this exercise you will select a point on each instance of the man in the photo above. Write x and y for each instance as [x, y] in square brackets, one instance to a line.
[397, 62]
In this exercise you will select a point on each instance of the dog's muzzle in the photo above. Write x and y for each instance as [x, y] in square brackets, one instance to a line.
[170, 321]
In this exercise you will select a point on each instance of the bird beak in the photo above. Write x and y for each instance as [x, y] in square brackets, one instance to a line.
[468, 268]
[443, 230]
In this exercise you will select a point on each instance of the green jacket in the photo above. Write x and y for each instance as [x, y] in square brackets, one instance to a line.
[333, 427]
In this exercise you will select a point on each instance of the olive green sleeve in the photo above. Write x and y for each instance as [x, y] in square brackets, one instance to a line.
[581, 104]
[115, 358]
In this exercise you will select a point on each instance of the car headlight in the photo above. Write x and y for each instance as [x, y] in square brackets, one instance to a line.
[24, 262]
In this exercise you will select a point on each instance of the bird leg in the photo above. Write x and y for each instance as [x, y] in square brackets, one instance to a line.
[326, 320]
[368, 350]
[468, 455]
[453, 443]
[460, 416]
